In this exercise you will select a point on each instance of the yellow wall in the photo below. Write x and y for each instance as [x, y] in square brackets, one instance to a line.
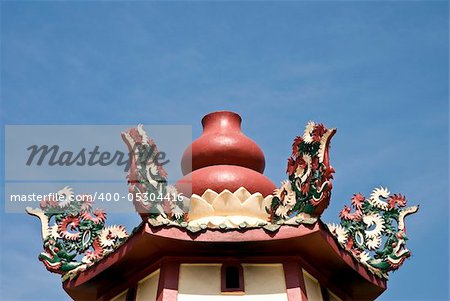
[202, 282]
[199, 279]
[148, 287]
[313, 291]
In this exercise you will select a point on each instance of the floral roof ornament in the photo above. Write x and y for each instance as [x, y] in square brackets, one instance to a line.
[228, 210]
[77, 230]
[306, 194]
[153, 198]
[375, 232]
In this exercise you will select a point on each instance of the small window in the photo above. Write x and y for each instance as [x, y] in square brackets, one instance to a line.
[232, 278]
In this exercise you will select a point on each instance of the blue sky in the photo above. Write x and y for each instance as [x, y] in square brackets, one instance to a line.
[378, 71]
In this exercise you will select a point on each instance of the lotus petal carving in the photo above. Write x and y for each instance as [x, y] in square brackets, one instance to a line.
[229, 209]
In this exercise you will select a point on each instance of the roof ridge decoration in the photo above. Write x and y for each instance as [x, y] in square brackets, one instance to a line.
[375, 233]
[307, 192]
[227, 209]
[224, 210]
[145, 177]
[78, 230]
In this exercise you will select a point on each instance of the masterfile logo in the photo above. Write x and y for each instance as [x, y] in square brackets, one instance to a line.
[41, 159]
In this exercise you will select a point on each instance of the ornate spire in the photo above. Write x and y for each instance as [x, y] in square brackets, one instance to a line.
[223, 158]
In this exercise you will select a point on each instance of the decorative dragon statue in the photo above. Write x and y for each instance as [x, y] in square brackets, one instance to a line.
[375, 231]
[153, 198]
[78, 229]
[307, 193]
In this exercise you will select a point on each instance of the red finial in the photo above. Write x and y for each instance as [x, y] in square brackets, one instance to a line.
[223, 158]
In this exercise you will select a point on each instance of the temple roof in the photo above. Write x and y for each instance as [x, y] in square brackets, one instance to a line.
[314, 245]
[225, 207]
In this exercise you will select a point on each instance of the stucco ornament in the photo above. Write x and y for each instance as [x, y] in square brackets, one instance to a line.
[153, 198]
[375, 231]
[306, 194]
[77, 231]
[228, 210]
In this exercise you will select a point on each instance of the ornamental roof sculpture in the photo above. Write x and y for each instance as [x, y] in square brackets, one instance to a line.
[378, 219]
[224, 189]
[78, 229]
